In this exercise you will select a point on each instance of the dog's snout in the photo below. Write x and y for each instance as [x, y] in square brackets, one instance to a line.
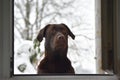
[60, 36]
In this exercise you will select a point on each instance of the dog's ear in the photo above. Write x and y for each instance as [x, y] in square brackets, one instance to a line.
[41, 33]
[69, 31]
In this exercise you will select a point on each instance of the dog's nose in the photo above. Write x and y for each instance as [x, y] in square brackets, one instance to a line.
[60, 37]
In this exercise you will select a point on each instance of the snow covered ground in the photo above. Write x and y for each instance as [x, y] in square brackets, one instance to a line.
[80, 52]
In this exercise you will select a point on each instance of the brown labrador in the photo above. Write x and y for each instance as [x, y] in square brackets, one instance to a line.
[56, 47]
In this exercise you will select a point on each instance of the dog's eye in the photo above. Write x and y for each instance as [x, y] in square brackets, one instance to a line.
[53, 31]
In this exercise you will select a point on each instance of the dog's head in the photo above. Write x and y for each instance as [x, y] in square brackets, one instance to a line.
[56, 37]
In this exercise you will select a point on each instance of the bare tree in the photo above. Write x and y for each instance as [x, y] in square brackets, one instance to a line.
[41, 9]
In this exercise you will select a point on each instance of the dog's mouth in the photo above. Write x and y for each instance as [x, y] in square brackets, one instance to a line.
[61, 45]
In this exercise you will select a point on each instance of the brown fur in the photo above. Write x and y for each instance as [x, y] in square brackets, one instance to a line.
[56, 46]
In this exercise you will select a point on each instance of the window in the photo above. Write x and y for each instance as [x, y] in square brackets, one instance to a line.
[32, 15]
[6, 45]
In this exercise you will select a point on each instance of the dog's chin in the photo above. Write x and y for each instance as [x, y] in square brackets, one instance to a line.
[60, 47]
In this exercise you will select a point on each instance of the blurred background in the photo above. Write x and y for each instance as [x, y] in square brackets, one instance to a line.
[32, 15]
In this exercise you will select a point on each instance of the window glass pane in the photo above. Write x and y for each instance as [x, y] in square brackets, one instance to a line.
[30, 16]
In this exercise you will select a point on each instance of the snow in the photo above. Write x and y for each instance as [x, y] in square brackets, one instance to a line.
[21, 56]
[80, 59]
[24, 58]
[81, 51]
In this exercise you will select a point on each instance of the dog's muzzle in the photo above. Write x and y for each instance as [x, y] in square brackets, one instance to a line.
[60, 37]
[60, 41]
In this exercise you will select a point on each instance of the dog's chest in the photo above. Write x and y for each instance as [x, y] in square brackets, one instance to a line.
[57, 67]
